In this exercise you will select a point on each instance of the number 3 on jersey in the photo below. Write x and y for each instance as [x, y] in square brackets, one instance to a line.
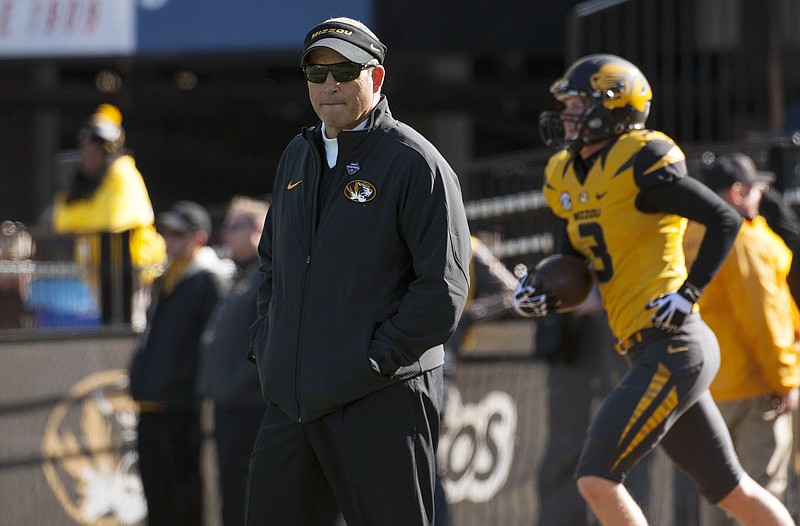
[599, 250]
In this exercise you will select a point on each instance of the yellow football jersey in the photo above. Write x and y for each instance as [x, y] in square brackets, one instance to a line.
[637, 256]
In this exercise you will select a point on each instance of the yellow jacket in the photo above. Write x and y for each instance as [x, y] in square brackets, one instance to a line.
[119, 203]
[749, 307]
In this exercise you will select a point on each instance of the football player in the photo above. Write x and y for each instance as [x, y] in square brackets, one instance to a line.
[624, 195]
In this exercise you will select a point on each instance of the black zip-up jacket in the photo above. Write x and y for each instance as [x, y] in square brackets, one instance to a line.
[164, 366]
[224, 376]
[381, 271]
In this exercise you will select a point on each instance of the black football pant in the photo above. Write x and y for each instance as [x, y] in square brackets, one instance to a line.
[373, 459]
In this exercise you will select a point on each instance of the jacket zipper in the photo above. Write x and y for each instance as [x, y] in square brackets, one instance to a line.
[297, 360]
[310, 234]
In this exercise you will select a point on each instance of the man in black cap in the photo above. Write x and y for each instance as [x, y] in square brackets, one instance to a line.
[738, 167]
[225, 377]
[164, 367]
[364, 261]
[729, 169]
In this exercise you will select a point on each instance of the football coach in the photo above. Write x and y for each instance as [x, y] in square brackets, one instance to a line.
[365, 271]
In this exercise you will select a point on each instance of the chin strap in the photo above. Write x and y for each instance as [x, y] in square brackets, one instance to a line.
[576, 145]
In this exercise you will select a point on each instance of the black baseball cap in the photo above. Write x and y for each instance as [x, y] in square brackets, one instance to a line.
[184, 217]
[734, 168]
[347, 37]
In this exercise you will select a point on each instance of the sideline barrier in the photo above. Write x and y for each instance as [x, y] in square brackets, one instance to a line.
[67, 428]
[82, 282]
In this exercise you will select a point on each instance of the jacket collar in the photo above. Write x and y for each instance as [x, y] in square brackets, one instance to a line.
[379, 118]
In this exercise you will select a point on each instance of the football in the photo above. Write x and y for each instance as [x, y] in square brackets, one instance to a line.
[567, 277]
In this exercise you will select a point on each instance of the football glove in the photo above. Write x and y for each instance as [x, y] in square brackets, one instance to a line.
[530, 301]
[673, 308]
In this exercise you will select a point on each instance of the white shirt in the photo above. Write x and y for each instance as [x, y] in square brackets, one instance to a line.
[332, 145]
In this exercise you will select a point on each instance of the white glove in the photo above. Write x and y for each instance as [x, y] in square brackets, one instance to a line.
[529, 301]
[673, 308]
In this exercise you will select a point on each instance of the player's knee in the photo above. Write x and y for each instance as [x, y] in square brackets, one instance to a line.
[750, 503]
[744, 490]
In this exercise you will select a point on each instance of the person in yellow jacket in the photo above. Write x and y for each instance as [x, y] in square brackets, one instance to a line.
[750, 308]
[108, 196]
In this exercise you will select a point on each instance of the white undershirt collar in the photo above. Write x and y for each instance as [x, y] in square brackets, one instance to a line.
[332, 145]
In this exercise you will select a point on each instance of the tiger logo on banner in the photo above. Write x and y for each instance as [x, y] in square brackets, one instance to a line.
[89, 450]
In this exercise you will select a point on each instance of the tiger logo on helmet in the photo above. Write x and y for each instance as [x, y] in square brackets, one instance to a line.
[617, 97]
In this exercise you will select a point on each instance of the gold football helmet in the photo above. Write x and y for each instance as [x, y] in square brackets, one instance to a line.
[616, 94]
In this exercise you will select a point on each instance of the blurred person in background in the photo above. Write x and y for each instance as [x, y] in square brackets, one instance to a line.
[16, 246]
[164, 368]
[749, 307]
[783, 221]
[226, 377]
[489, 297]
[624, 196]
[108, 196]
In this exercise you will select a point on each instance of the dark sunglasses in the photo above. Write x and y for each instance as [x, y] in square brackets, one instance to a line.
[342, 72]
